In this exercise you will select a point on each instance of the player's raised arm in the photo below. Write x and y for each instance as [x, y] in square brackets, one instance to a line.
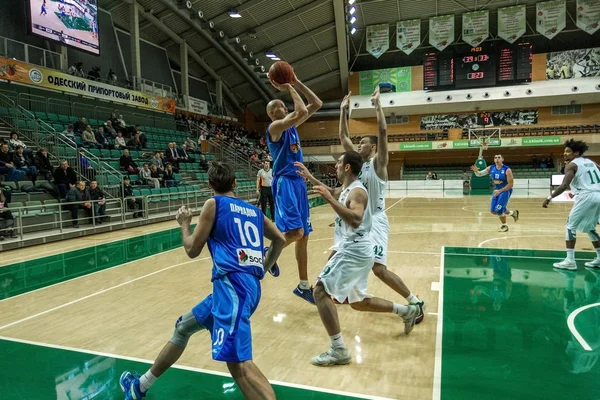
[380, 161]
[344, 128]
[314, 102]
[570, 171]
[277, 243]
[480, 173]
[305, 173]
[295, 118]
[356, 205]
[193, 243]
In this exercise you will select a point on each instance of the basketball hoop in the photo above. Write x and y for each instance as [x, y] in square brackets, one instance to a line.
[484, 145]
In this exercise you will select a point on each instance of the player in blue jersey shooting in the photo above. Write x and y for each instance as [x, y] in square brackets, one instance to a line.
[233, 230]
[289, 190]
[502, 177]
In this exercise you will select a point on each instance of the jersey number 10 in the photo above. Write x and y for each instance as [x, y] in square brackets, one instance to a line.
[595, 175]
[248, 234]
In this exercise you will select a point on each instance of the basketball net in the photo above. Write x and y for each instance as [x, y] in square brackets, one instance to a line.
[484, 145]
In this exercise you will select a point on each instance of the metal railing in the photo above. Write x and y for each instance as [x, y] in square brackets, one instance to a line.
[151, 87]
[10, 48]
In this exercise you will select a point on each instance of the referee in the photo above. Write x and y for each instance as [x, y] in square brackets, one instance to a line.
[264, 179]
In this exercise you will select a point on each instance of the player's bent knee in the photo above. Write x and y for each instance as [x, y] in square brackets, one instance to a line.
[185, 327]
[379, 270]
[570, 234]
[295, 234]
[593, 235]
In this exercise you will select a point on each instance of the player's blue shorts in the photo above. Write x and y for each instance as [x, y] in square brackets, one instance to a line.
[226, 315]
[291, 204]
[500, 202]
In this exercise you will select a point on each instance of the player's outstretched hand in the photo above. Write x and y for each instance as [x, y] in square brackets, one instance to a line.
[345, 102]
[184, 216]
[474, 168]
[546, 203]
[302, 170]
[324, 192]
[375, 96]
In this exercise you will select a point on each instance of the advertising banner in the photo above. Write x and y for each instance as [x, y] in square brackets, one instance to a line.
[551, 17]
[475, 27]
[511, 23]
[378, 39]
[20, 72]
[588, 15]
[198, 106]
[408, 35]
[441, 31]
[399, 77]
[572, 64]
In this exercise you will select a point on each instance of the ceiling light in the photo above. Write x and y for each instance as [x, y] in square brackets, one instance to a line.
[352, 10]
[271, 55]
[351, 2]
[276, 59]
[353, 19]
[235, 14]
[353, 30]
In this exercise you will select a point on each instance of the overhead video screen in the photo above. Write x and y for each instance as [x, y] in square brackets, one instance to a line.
[71, 22]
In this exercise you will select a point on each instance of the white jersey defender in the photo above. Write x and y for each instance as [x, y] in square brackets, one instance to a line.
[381, 227]
[346, 274]
[586, 186]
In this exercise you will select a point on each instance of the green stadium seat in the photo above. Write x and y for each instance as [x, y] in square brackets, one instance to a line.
[51, 206]
[64, 119]
[52, 117]
[34, 207]
[154, 193]
[41, 115]
[14, 206]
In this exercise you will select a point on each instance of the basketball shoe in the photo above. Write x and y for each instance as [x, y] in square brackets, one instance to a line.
[410, 318]
[333, 356]
[275, 268]
[130, 385]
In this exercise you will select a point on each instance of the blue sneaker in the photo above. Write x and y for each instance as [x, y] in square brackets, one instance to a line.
[275, 268]
[306, 294]
[130, 385]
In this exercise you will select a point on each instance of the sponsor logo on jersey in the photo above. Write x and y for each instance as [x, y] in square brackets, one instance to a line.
[249, 257]
[295, 147]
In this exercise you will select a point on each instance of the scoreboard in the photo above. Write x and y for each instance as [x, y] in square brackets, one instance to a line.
[482, 66]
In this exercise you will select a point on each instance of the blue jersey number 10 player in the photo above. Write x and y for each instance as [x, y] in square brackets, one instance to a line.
[233, 230]
[502, 178]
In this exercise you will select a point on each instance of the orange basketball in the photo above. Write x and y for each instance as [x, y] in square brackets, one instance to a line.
[281, 72]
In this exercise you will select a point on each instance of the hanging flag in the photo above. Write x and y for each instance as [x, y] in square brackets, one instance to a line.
[475, 27]
[551, 17]
[588, 15]
[378, 39]
[441, 31]
[511, 23]
[408, 35]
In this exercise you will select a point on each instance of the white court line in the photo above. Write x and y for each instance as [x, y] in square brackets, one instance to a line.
[435, 286]
[86, 275]
[511, 237]
[571, 325]
[186, 368]
[98, 293]
[395, 203]
[437, 368]
[433, 313]
[489, 255]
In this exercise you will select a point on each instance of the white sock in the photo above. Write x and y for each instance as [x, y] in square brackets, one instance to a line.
[510, 213]
[337, 341]
[304, 285]
[400, 309]
[571, 255]
[146, 381]
[412, 299]
[598, 253]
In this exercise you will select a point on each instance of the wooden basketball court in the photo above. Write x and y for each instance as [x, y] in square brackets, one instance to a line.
[74, 314]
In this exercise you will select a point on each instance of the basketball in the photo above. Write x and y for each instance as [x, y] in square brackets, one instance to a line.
[281, 72]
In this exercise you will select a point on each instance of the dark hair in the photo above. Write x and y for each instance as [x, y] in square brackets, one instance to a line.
[373, 139]
[221, 177]
[355, 161]
[578, 146]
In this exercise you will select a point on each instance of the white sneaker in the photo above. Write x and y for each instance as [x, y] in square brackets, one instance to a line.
[410, 318]
[566, 264]
[333, 356]
[595, 263]
[503, 228]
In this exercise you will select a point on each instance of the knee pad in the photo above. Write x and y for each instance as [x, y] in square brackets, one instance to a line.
[593, 235]
[570, 234]
[185, 327]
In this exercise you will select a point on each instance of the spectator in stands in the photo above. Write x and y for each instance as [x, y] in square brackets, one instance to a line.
[135, 142]
[191, 146]
[94, 73]
[65, 178]
[184, 156]
[127, 164]
[87, 169]
[89, 139]
[80, 125]
[69, 132]
[14, 142]
[141, 136]
[7, 167]
[172, 155]
[121, 122]
[168, 177]
[110, 131]
[156, 174]
[81, 196]
[42, 163]
[101, 139]
[114, 120]
[77, 70]
[111, 77]
[132, 202]
[434, 176]
[24, 164]
[146, 176]
[203, 163]
[99, 205]
[6, 218]
[120, 141]
[158, 161]
[429, 176]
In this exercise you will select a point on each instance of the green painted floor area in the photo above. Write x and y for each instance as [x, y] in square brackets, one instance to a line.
[31, 372]
[505, 332]
[29, 275]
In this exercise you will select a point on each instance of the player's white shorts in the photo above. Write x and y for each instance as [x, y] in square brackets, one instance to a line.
[380, 230]
[585, 213]
[345, 277]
